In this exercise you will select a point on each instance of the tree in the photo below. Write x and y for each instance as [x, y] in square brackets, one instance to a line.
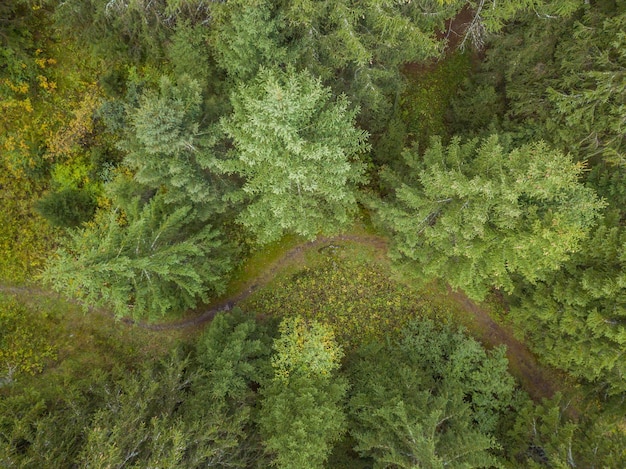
[298, 153]
[301, 416]
[553, 434]
[247, 36]
[477, 215]
[576, 319]
[144, 259]
[67, 208]
[432, 398]
[166, 147]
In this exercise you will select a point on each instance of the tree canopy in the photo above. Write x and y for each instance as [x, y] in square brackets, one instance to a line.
[478, 215]
[299, 153]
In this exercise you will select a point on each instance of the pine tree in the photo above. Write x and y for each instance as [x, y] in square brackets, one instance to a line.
[476, 215]
[142, 259]
[432, 398]
[299, 155]
[301, 417]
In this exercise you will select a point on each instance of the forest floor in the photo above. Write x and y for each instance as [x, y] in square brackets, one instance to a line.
[537, 380]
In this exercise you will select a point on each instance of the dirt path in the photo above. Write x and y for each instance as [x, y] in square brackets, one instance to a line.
[523, 363]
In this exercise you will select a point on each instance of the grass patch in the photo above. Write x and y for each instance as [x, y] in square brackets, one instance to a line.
[347, 286]
[425, 103]
[82, 342]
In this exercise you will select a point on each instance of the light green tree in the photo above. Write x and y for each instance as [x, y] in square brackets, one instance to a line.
[299, 153]
[477, 215]
[301, 416]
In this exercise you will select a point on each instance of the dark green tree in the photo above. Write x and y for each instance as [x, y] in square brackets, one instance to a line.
[432, 398]
[166, 147]
[247, 36]
[301, 415]
[477, 215]
[299, 153]
[144, 259]
[67, 208]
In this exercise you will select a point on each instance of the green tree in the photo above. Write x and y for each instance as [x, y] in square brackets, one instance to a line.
[142, 259]
[67, 208]
[477, 215]
[301, 416]
[566, 84]
[553, 433]
[247, 36]
[166, 147]
[156, 418]
[299, 153]
[576, 319]
[432, 398]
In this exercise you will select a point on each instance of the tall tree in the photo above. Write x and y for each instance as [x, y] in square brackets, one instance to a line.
[299, 153]
[166, 147]
[432, 398]
[301, 416]
[576, 319]
[477, 215]
[144, 259]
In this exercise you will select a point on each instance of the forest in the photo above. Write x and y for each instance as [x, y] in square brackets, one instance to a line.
[344, 234]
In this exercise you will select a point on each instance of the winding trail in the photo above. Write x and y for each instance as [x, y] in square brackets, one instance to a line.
[523, 363]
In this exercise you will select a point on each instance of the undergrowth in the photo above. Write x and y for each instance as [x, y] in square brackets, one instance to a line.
[345, 286]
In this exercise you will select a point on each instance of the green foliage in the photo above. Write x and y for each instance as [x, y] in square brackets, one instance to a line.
[355, 296]
[576, 320]
[566, 83]
[298, 152]
[25, 238]
[189, 54]
[589, 94]
[147, 422]
[234, 351]
[431, 398]
[425, 102]
[301, 416]
[477, 215]
[24, 347]
[553, 434]
[145, 260]
[166, 146]
[68, 208]
[246, 37]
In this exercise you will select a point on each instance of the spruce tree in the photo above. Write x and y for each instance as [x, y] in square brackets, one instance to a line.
[299, 154]
[301, 416]
[477, 216]
[431, 398]
[143, 259]
[165, 145]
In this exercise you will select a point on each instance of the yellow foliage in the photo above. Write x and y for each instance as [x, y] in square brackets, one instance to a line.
[67, 139]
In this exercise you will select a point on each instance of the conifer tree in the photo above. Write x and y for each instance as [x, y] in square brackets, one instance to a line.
[477, 215]
[166, 147]
[576, 319]
[432, 398]
[144, 259]
[299, 154]
[301, 416]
